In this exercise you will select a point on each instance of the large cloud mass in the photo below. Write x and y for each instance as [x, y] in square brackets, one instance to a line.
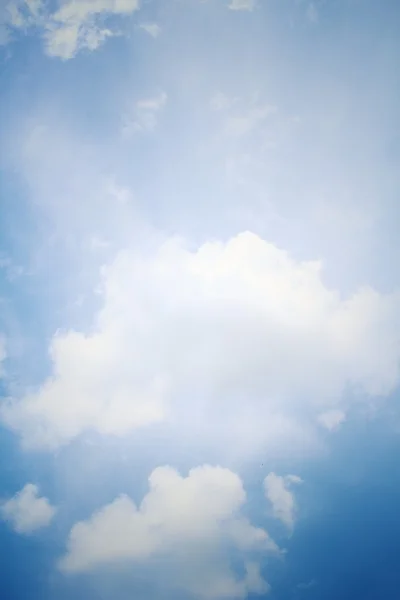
[190, 525]
[183, 335]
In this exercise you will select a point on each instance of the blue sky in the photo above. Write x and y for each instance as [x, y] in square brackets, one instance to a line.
[199, 299]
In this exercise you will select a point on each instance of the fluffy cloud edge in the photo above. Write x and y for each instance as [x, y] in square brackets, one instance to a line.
[240, 318]
[27, 511]
[278, 492]
[181, 520]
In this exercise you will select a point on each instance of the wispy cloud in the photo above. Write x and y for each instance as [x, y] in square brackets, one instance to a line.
[152, 29]
[312, 13]
[221, 101]
[277, 490]
[19, 15]
[241, 124]
[332, 419]
[144, 116]
[75, 26]
[240, 118]
[242, 5]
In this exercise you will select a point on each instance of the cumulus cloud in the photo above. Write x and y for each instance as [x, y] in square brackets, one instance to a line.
[190, 524]
[145, 115]
[27, 511]
[75, 25]
[277, 490]
[235, 335]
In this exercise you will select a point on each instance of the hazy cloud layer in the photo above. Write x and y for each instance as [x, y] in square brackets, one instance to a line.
[74, 26]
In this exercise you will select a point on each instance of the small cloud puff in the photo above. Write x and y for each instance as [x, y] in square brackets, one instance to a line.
[242, 120]
[144, 116]
[281, 498]
[332, 419]
[27, 511]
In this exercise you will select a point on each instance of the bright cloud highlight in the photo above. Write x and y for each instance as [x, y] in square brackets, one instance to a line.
[189, 524]
[259, 333]
[75, 25]
[242, 4]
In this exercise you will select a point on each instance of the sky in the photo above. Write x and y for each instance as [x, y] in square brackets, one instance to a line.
[199, 299]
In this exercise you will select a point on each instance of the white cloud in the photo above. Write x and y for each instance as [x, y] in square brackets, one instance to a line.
[190, 524]
[242, 5]
[27, 511]
[18, 15]
[254, 581]
[75, 25]
[152, 104]
[242, 124]
[235, 337]
[64, 42]
[145, 115]
[331, 419]
[221, 101]
[152, 29]
[281, 498]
